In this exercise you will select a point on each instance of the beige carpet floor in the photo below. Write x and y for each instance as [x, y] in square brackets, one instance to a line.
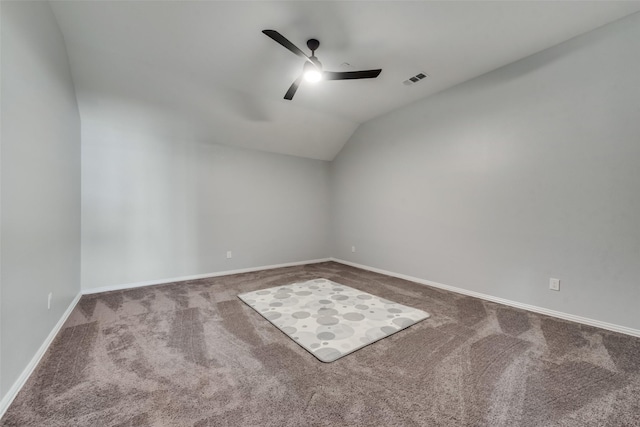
[193, 354]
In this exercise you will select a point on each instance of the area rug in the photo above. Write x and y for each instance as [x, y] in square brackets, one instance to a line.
[328, 319]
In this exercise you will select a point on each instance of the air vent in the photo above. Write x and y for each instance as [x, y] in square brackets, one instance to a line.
[415, 79]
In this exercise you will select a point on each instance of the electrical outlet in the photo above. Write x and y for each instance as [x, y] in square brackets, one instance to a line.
[229, 255]
[49, 298]
[353, 248]
[554, 284]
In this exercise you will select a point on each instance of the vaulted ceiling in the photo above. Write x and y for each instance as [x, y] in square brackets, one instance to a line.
[204, 70]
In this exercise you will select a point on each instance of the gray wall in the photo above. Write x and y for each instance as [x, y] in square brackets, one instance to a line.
[160, 205]
[526, 173]
[40, 184]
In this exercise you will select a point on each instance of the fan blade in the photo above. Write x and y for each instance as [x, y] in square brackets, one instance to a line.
[286, 43]
[348, 75]
[292, 90]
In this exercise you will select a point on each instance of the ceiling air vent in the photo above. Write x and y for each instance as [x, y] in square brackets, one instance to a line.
[415, 79]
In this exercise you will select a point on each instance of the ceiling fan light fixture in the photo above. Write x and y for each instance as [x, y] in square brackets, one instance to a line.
[312, 71]
[312, 76]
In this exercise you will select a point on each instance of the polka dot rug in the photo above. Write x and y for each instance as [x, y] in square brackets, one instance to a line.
[328, 319]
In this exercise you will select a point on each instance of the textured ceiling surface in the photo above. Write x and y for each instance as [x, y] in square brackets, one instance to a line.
[204, 70]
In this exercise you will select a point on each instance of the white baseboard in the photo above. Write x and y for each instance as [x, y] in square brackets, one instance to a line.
[533, 308]
[198, 276]
[28, 370]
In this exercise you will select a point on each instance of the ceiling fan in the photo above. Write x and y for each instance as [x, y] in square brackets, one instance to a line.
[312, 69]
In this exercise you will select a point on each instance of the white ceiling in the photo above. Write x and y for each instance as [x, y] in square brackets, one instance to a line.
[205, 70]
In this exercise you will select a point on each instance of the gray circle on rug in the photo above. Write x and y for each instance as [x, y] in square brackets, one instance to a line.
[326, 336]
[328, 320]
[364, 296]
[315, 345]
[276, 304]
[339, 297]
[362, 307]
[340, 331]
[388, 329]
[272, 315]
[327, 354]
[301, 314]
[282, 296]
[263, 292]
[289, 330]
[355, 317]
[325, 301]
[394, 310]
[403, 322]
[375, 333]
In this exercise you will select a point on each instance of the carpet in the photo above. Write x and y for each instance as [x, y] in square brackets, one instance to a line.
[328, 319]
[193, 354]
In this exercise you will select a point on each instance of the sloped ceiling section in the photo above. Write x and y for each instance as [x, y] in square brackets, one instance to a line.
[204, 69]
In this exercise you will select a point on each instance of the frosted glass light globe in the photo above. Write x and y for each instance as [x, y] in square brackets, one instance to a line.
[312, 76]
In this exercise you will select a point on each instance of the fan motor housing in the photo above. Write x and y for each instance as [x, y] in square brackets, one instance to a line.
[315, 61]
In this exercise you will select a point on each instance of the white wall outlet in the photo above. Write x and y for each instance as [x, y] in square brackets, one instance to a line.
[49, 298]
[554, 284]
[229, 254]
[353, 248]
